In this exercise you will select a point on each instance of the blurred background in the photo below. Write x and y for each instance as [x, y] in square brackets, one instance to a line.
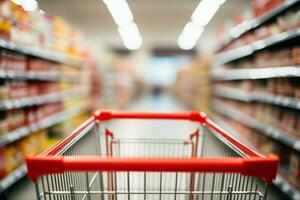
[238, 61]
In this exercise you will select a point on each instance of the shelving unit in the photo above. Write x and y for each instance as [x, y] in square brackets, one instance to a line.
[40, 53]
[243, 76]
[249, 25]
[256, 96]
[45, 85]
[247, 50]
[269, 131]
[40, 76]
[45, 123]
[280, 181]
[255, 73]
[78, 91]
[41, 99]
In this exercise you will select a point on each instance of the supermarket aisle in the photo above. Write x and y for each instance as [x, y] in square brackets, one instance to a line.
[164, 102]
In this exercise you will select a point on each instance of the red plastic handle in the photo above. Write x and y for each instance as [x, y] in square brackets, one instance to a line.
[265, 168]
[103, 115]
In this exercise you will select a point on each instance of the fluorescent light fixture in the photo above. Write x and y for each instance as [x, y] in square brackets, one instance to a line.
[28, 5]
[192, 30]
[120, 11]
[123, 17]
[189, 36]
[203, 13]
[130, 36]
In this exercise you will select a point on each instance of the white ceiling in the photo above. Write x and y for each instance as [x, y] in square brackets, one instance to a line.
[159, 21]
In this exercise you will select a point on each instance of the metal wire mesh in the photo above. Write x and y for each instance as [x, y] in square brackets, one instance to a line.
[149, 185]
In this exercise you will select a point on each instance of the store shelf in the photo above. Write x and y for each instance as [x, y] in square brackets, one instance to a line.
[287, 188]
[247, 50]
[40, 53]
[271, 132]
[30, 101]
[255, 73]
[40, 76]
[249, 25]
[232, 93]
[13, 177]
[240, 95]
[279, 182]
[40, 99]
[43, 124]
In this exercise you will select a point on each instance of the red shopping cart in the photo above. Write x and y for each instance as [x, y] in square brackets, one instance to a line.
[91, 163]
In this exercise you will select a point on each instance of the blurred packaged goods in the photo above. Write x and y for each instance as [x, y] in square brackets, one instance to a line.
[289, 159]
[193, 84]
[289, 20]
[13, 155]
[261, 7]
[276, 57]
[44, 81]
[285, 119]
[40, 29]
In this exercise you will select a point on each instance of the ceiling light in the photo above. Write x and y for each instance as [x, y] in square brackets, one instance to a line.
[189, 36]
[130, 36]
[205, 11]
[127, 29]
[192, 30]
[120, 11]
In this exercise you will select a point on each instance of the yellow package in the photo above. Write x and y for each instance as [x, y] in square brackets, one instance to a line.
[13, 157]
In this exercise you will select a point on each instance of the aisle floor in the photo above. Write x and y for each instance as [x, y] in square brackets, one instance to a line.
[24, 190]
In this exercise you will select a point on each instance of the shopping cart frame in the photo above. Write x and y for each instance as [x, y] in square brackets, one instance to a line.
[253, 164]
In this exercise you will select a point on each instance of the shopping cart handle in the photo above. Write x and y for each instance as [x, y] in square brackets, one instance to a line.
[104, 115]
[266, 168]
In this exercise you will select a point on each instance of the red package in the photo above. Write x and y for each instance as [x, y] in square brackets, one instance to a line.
[3, 170]
[296, 55]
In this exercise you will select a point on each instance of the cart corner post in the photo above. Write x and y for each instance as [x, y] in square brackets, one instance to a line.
[265, 168]
[38, 166]
[198, 116]
[103, 115]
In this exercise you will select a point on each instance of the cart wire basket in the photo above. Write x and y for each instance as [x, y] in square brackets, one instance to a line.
[208, 164]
